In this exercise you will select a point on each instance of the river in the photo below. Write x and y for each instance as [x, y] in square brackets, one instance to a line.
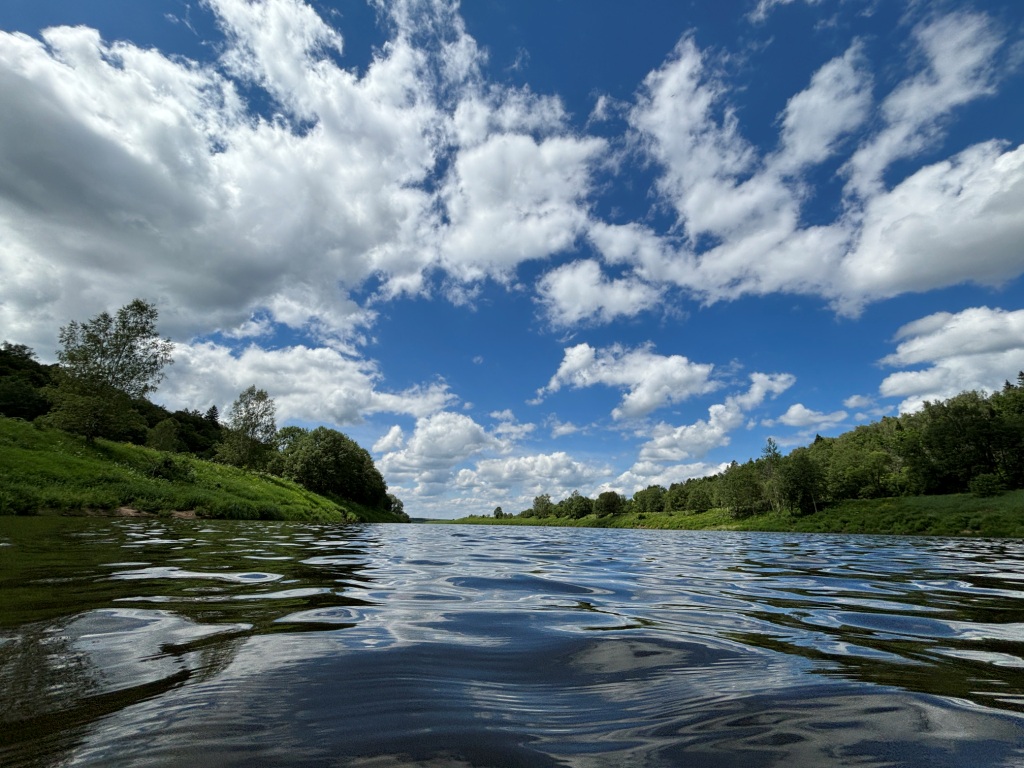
[150, 642]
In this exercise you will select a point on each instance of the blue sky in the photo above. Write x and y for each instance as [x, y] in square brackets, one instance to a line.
[525, 247]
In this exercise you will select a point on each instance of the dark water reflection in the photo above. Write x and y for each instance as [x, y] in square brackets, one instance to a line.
[193, 643]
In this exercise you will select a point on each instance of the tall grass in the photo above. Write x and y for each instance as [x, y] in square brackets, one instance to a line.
[44, 470]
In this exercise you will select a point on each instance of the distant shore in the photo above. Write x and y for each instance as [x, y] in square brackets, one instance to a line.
[951, 515]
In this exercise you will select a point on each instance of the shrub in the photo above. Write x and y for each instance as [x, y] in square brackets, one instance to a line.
[986, 485]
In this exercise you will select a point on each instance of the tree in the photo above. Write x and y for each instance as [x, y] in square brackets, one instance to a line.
[22, 380]
[212, 415]
[739, 489]
[650, 500]
[93, 410]
[123, 352]
[575, 506]
[165, 436]
[328, 462]
[105, 364]
[609, 503]
[542, 506]
[769, 466]
[802, 481]
[252, 430]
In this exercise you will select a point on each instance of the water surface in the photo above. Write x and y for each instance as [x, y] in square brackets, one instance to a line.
[143, 642]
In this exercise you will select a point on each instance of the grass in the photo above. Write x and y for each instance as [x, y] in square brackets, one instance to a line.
[953, 515]
[46, 470]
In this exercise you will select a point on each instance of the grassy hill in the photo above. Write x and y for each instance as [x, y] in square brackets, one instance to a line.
[46, 470]
[951, 515]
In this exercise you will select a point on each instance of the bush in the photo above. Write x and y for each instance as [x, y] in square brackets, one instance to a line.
[18, 501]
[167, 467]
[986, 485]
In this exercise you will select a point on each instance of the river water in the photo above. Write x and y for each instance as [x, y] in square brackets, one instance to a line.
[144, 642]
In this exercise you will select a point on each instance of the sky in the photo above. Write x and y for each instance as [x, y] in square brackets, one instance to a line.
[516, 247]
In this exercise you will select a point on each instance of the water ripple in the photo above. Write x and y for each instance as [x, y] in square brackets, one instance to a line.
[421, 645]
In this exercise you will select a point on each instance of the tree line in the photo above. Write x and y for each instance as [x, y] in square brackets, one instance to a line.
[970, 443]
[98, 389]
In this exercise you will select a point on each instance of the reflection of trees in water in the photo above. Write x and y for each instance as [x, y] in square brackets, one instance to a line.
[71, 652]
[953, 668]
[54, 685]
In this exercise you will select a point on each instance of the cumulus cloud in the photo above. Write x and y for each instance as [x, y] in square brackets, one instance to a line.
[428, 459]
[799, 415]
[580, 292]
[651, 380]
[976, 349]
[694, 441]
[557, 474]
[647, 473]
[739, 208]
[307, 384]
[951, 222]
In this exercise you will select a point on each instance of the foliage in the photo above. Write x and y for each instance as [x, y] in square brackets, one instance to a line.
[253, 429]
[328, 462]
[124, 352]
[93, 409]
[51, 470]
[22, 381]
[608, 503]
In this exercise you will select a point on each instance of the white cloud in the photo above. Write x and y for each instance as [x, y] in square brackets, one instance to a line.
[307, 384]
[976, 349]
[578, 292]
[858, 401]
[652, 381]
[552, 473]
[951, 222]
[563, 428]
[512, 199]
[835, 104]
[644, 474]
[765, 7]
[799, 415]
[509, 428]
[694, 441]
[439, 443]
[960, 51]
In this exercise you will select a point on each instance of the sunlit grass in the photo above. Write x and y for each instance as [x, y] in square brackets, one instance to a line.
[46, 470]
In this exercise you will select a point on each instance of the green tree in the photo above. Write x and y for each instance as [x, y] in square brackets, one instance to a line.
[22, 383]
[609, 503]
[252, 429]
[740, 490]
[123, 352]
[165, 436]
[328, 462]
[802, 481]
[700, 497]
[650, 500]
[107, 365]
[575, 506]
[93, 410]
[542, 506]
[770, 465]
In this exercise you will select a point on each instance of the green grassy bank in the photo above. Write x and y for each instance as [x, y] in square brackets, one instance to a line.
[46, 470]
[953, 515]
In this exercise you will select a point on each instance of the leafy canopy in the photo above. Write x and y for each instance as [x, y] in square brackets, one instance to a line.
[124, 352]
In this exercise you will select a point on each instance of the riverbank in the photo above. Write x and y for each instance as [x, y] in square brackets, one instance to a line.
[47, 470]
[953, 515]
